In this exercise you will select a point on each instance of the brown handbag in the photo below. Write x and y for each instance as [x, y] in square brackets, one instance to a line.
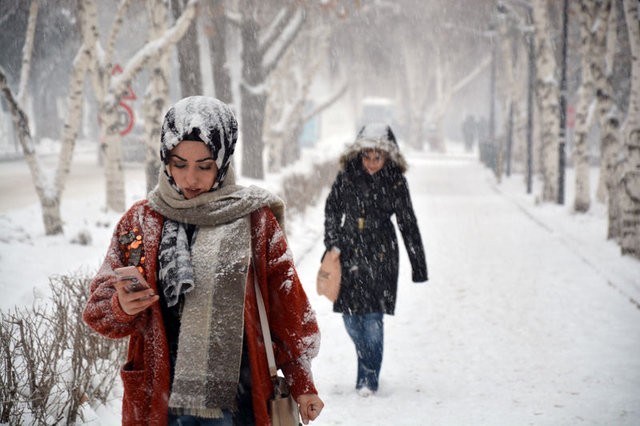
[283, 409]
[328, 280]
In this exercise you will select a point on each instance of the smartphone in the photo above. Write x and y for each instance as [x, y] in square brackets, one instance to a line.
[133, 276]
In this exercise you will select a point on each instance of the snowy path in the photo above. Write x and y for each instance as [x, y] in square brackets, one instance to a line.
[530, 315]
[514, 327]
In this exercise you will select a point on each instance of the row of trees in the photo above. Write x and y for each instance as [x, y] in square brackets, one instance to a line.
[603, 58]
[266, 32]
[95, 62]
[266, 56]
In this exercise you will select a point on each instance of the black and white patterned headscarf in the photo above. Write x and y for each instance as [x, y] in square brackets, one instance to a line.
[196, 118]
[205, 119]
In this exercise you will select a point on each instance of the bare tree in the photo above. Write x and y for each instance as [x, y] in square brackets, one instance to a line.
[448, 71]
[519, 32]
[27, 52]
[593, 35]
[445, 90]
[415, 84]
[265, 37]
[585, 106]
[109, 88]
[547, 96]
[607, 112]
[49, 192]
[215, 28]
[157, 96]
[188, 54]
[289, 86]
[630, 194]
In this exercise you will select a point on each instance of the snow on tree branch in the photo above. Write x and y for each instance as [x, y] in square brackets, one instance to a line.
[272, 33]
[20, 118]
[27, 50]
[115, 30]
[273, 53]
[327, 102]
[152, 49]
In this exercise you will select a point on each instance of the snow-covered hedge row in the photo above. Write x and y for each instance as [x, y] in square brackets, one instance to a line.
[303, 189]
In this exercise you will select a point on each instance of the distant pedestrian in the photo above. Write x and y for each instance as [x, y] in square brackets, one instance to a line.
[369, 189]
[198, 245]
[482, 126]
[469, 132]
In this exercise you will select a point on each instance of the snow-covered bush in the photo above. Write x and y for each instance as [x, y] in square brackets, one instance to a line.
[301, 190]
[52, 363]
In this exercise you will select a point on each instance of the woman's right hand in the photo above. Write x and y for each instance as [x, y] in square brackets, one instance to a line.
[310, 407]
[135, 302]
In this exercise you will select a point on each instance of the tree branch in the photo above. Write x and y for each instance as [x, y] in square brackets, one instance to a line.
[289, 35]
[27, 50]
[120, 82]
[327, 102]
[276, 28]
[115, 30]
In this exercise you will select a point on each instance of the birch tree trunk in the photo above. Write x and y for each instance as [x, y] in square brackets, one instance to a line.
[110, 88]
[101, 70]
[630, 183]
[156, 98]
[520, 31]
[607, 116]
[27, 52]
[49, 192]
[548, 99]
[50, 204]
[519, 136]
[586, 92]
[74, 117]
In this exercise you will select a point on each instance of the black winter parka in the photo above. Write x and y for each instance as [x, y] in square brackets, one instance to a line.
[358, 214]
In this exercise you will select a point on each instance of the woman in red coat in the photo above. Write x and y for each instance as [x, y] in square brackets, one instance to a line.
[196, 351]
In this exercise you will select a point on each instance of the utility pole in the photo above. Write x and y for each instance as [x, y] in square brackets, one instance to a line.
[493, 158]
[562, 156]
[531, 83]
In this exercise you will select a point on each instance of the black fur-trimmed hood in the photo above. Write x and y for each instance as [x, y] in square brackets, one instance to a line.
[375, 136]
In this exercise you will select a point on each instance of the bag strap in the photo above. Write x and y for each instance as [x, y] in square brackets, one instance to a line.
[266, 332]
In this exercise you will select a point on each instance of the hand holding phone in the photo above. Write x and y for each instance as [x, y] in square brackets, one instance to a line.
[135, 280]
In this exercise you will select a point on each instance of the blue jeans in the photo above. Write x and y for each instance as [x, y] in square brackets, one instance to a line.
[367, 333]
[175, 420]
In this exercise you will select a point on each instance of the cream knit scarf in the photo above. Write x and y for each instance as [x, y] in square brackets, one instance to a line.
[210, 342]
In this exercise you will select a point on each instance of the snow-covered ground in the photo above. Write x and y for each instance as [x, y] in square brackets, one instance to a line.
[530, 315]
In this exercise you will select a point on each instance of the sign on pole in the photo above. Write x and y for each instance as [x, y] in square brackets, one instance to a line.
[126, 117]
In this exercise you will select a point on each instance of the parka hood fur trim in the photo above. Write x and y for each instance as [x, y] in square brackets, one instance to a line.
[375, 136]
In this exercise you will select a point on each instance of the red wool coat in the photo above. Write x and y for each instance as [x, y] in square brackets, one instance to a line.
[145, 374]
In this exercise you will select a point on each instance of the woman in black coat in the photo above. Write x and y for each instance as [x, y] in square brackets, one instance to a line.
[370, 188]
